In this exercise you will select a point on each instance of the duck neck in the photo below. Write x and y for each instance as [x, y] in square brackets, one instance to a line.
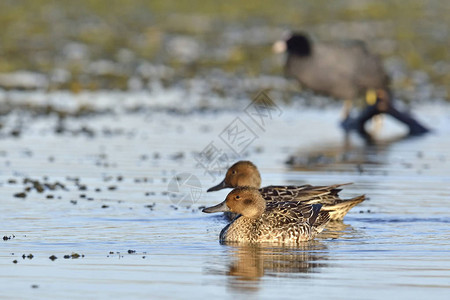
[253, 181]
[256, 210]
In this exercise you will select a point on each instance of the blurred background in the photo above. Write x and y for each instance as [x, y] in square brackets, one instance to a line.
[137, 44]
[106, 104]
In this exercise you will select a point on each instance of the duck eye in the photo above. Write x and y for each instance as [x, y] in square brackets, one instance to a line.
[234, 172]
[238, 197]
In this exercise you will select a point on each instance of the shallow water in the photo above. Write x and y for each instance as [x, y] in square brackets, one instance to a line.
[134, 241]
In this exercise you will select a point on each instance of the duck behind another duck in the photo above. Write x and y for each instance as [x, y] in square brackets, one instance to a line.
[245, 173]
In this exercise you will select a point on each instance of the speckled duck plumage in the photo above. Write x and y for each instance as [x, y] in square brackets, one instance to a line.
[259, 221]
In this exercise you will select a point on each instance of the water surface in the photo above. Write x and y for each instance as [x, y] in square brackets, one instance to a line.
[113, 207]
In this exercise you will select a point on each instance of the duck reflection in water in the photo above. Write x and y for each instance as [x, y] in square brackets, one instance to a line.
[248, 263]
[252, 262]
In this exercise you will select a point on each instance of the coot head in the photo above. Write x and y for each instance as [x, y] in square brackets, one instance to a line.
[299, 44]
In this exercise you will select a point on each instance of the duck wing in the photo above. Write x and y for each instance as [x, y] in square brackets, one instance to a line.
[283, 213]
[326, 195]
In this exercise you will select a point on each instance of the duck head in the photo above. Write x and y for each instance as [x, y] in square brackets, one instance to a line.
[242, 173]
[246, 201]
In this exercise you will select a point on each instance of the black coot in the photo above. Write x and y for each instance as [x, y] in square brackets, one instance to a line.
[347, 71]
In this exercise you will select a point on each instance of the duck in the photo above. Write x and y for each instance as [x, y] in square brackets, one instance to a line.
[259, 221]
[344, 70]
[245, 173]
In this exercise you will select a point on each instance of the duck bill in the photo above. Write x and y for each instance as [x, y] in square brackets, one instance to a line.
[220, 186]
[221, 207]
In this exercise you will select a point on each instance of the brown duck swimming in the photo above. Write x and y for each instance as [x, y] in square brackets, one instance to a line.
[245, 173]
[260, 221]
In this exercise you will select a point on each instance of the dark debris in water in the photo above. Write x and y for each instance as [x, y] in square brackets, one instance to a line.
[141, 180]
[83, 130]
[20, 195]
[177, 156]
[129, 251]
[7, 238]
[73, 256]
[40, 186]
[150, 206]
[53, 257]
